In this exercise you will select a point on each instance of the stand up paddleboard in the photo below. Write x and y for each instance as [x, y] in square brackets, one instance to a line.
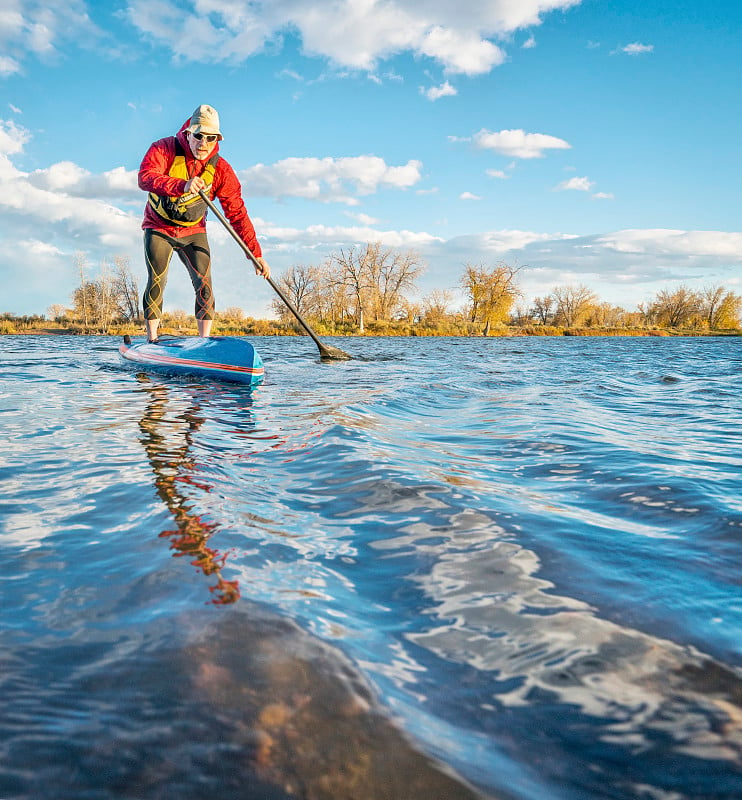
[224, 358]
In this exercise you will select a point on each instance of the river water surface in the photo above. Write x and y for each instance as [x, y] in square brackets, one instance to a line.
[449, 568]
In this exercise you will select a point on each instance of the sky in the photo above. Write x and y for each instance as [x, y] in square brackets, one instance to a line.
[587, 142]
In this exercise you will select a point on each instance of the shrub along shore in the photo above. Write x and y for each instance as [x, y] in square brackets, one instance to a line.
[186, 326]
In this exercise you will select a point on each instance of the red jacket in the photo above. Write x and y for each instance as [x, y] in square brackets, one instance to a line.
[153, 177]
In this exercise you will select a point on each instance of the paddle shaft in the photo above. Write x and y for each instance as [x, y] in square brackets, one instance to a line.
[324, 350]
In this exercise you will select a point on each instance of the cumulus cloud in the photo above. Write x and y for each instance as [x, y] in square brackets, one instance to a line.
[39, 28]
[41, 200]
[661, 241]
[8, 66]
[329, 180]
[355, 35]
[13, 138]
[576, 184]
[75, 181]
[501, 242]
[38, 248]
[518, 143]
[637, 49]
[436, 92]
[469, 196]
[333, 236]
[364, 219]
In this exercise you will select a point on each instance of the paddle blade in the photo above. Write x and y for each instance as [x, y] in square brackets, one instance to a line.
[329, 353]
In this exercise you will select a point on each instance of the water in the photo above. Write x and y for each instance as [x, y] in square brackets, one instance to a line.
[459, 568]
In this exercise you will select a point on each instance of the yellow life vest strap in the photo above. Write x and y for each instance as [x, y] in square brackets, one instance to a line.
[188, 209]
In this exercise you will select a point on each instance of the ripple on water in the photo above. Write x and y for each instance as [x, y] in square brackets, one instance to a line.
[473, 549]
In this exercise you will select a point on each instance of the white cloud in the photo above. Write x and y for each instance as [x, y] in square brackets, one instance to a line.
[8, 66]
[603, 196]
[469, 196]
[661, 241]
[460, 51]
[518, 143]
[329, 180]
[636, 48]
[38, 248]
[38, 27]
[436, 92]
[38, 207]
[576, 184]
[333, 236]
[497, 173]
[529, 43]
[12, 138]
[623, 267]
[75, 181]
[352, 34]
[364, 219]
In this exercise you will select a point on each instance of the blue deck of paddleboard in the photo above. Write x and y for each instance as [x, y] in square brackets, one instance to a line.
[225, 358]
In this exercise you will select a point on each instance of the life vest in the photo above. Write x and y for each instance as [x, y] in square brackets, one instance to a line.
[188, 209]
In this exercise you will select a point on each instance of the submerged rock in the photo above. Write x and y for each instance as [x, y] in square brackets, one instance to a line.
[305, 719]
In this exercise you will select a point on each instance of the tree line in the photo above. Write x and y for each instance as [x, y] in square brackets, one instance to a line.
[369, 288]
[111, 299]
[369, 285]
[713, 308]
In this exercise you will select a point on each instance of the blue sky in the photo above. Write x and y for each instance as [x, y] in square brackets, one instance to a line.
[589, 142]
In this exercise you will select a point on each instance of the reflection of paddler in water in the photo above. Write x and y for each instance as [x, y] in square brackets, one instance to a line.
[168, 441]
[299, 719]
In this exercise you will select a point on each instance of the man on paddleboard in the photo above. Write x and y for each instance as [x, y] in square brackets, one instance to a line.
[174, 170]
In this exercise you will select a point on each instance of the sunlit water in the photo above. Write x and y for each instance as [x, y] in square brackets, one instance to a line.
[449, 568]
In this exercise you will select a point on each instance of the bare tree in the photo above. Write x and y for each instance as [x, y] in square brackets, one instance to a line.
[301, 285]
[573, 303]
[56, 311]
[81, 262]
[107, 307]
[125, 290]
[355, 276]
[720, 308]
[391, 273]
[711, 297]
[436, 306]
[726, 313]
[112, 297]
[542, 309]
[675, 309]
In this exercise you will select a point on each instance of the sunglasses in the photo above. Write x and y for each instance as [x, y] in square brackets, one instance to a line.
[207, 137]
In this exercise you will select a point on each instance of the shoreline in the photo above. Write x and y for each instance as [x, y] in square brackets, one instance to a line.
[567, 332]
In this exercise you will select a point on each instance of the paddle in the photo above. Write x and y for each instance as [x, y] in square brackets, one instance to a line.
[325, 351]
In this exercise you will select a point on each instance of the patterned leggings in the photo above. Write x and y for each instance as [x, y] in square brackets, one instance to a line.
[194, 253]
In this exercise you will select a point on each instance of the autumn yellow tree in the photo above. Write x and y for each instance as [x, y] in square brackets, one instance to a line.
[492, 292]
[720, 308]
[674, 308]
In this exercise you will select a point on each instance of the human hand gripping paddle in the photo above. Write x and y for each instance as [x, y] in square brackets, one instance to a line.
[326, 352]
